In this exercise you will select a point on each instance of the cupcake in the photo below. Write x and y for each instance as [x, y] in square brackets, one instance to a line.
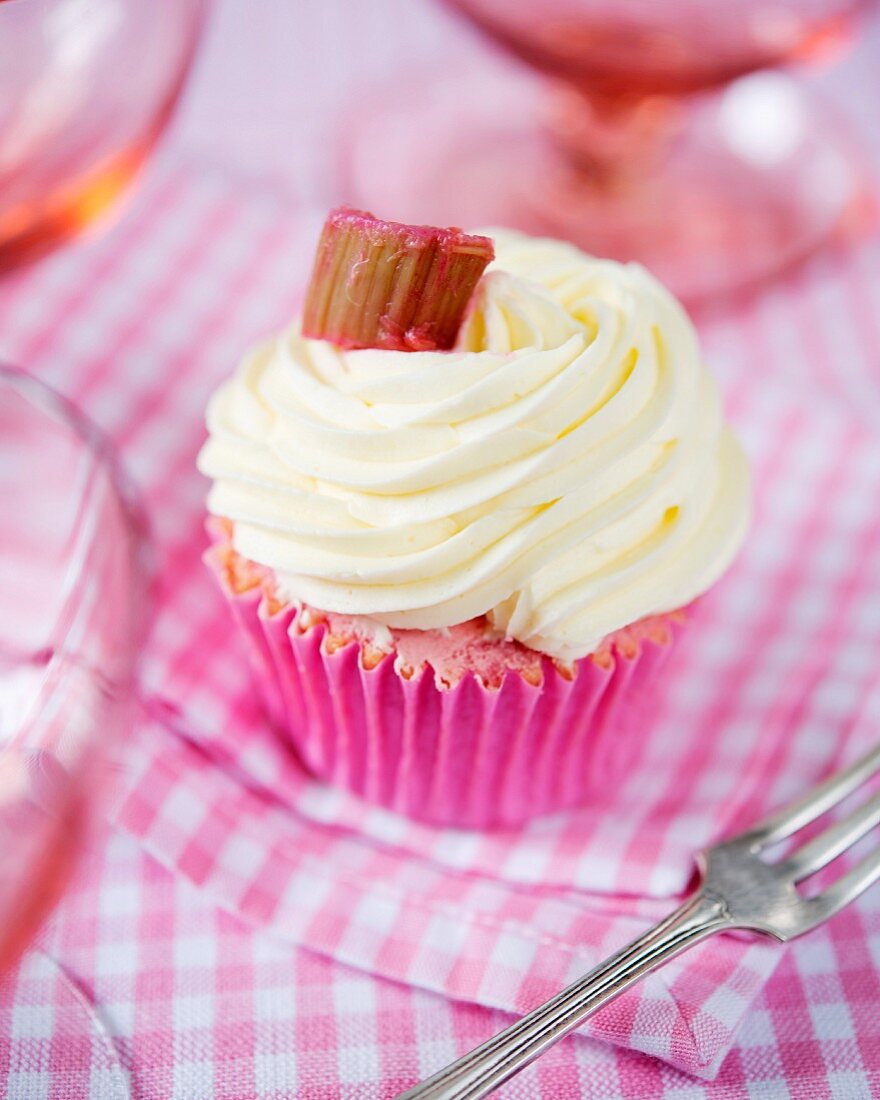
[459, 511]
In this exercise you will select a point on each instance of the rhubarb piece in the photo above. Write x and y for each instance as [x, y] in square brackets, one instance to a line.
[380, 284]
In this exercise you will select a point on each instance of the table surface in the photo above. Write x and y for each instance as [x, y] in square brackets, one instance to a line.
[144, 971]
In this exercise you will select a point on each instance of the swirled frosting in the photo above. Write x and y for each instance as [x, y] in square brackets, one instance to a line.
[565, 470]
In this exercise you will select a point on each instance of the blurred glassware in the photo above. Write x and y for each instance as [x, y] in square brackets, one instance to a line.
[712, 192]
[73, 582]
[86, 88]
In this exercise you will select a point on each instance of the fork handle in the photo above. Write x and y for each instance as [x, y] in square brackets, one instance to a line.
[489, 1065]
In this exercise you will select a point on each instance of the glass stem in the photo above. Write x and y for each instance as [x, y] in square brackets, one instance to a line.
[611, 139]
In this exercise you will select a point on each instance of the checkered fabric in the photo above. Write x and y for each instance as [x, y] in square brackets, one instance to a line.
[159, 994]
[176, 967]
[767, 692]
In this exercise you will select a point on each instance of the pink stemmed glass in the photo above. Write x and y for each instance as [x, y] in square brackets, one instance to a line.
[86, 88]
[658, 135]
[72, 598]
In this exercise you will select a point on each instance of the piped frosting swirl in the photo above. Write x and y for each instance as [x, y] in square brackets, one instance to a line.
[565, 470]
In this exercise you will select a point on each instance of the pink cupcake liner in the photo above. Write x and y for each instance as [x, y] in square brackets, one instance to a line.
[469, 756]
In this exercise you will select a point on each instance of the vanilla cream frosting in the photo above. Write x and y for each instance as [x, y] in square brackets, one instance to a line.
[564, 470]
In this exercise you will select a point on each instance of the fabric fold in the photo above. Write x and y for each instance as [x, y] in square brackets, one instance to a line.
[469, 936]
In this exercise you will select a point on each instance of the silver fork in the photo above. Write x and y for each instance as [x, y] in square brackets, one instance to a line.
[739, 889]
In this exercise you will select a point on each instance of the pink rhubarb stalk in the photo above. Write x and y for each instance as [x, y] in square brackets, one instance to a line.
[379, 284]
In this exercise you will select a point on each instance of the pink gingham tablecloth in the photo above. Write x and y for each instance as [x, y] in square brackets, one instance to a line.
[770, 689]
[254, 933]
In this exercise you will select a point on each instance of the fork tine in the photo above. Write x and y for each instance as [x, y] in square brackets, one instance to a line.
[847, 888]
[813, 804]
[833, 841]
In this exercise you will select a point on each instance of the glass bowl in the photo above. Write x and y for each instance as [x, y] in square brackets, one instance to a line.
[638, 129]
[73, 581]
[86, 87]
